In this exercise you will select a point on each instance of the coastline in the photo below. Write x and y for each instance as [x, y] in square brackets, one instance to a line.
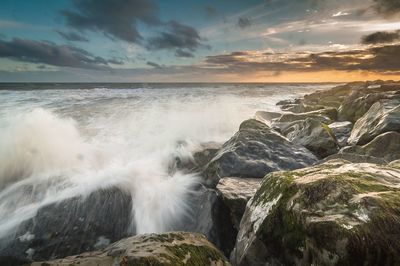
[303, 186]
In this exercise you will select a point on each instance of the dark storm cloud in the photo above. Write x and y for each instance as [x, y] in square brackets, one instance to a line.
[387, 7]
[381, 37]
[72, 36]
[176, 35]
[182, 53]
[378, 59]
[243, 22]
[43, 52]
[115, 18]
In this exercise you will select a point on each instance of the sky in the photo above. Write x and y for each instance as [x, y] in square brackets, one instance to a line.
[199, 41]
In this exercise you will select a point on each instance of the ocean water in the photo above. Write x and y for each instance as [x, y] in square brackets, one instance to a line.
[62, 140]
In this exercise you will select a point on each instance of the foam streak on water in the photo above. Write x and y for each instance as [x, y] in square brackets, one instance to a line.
[68, 141]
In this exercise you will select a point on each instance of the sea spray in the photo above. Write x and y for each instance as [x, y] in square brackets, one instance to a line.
[61, 143]
[48, 161]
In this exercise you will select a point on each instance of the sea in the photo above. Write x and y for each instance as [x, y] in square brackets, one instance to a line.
[64, 140]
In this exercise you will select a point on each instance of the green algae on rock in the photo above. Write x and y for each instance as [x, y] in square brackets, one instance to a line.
[336, 213]
[174, 249]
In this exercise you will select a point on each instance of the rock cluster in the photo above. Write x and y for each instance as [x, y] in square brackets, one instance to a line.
[315, 184]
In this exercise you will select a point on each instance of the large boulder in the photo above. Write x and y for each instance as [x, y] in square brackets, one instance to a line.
[385, 146]
[315, 136]
[342, 131]
[70, 227]
[383, 116]
[355, 107]
[254, 151]
[335, 213]
[174, 249]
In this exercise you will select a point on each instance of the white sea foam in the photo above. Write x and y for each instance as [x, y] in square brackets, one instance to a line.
[56, 144]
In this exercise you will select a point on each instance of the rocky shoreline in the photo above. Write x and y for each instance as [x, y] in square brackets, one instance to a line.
[318, 183]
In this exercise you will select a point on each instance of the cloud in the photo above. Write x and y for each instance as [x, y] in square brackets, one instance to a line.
[381, 37]
[43, 52]
[152, 64]
[72, 36]
[119, 19]
[176, 35]
[183, 53]
[377, 59]
[243, 22]
[115, 18]
[387, 7]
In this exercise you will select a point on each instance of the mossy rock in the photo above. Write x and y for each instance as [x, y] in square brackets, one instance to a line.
[174, 249]
[336, 213]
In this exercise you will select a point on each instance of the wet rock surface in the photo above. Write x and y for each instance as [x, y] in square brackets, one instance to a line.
[175, 248]
[235, 193]
[70, 227]
[254, 151]
[337, 213]
[315, 136]
[385, 146]
[381, 117]
[342, 131]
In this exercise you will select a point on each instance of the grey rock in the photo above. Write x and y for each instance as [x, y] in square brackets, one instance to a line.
[325, 116]
[315, 136]
[383, 116]
[385, 146]
[235, 193]
[342, 131]
[70, 227]
[353, 158]
[254, 151]
[357, 105]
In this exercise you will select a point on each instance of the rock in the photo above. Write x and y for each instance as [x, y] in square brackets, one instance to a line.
[342, 131]
[325, 116]
[211, 217]
[301, 108]
[315, 136]
[335, 213]
[381, 117]
[395, 164]
[70, 227]
[235, 193]
[355, 107]
[284, 102]
[354, 158]
[175, 248]
[254, 151]
[195, 161]
[385, 146]
[266, 117]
